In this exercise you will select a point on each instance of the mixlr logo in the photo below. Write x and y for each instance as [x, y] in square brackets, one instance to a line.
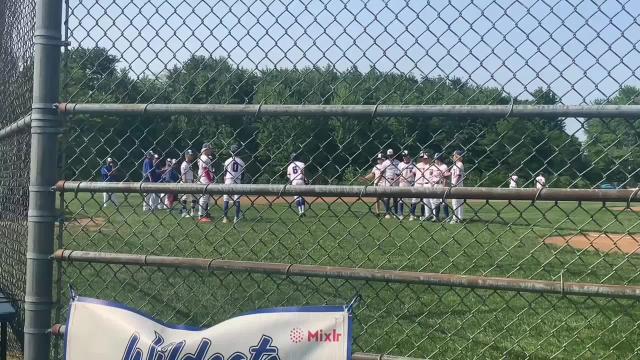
[317, 336]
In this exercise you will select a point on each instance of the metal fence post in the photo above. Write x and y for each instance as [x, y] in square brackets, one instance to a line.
[42, 211]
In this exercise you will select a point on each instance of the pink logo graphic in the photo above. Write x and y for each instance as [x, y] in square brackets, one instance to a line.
[296, 335]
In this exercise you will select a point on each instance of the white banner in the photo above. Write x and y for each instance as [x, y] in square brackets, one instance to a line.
[101, 330]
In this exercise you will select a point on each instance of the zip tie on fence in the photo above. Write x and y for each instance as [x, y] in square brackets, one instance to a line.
[257, 115]
[284, 187]
[537, 195]
[633, 194]
[510, 107]
[561, 283]
[354, 302]
[204, 193]
[286, 273]
[446, 192]
[73, 294]
[77, 186]
[144, 109]
[375, 111]
[211, 262]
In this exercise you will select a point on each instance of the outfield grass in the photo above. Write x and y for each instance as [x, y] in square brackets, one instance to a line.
[501, 239]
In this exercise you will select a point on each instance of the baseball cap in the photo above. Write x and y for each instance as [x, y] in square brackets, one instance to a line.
[458, 152]
[293, 156]
[234, 148]
[156, 156]
[149, 153]
[206, 146]
[380, 156]
[424, 155]
[109, 160]
[438, 156]
[390, 152]
[188, 152]
[405, 153]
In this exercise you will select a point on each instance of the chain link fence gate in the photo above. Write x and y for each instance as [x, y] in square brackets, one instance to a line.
[523, 90]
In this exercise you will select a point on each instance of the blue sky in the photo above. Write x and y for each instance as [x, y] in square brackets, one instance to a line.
[583, 50]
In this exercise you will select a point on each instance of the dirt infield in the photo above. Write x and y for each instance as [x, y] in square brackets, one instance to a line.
[621, 208]
[90, 224]
[627, 244]
[270, 200]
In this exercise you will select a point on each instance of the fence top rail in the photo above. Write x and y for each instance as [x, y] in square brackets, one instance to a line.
[347, 273]
[354, 110]
[476, 193]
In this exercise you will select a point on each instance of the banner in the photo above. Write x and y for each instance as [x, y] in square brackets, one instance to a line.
[102, 330]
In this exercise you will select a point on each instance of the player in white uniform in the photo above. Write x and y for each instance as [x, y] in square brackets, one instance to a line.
[541, 182]
[513, 181]
[375, 176]
[439, 179]
[233, 174]
[206, 175]
[407, 179]
[389, 177]
[424, 172]
[457, 180]
[297, 177]
[186, 176]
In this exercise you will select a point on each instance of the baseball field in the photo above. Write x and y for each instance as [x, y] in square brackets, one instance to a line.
[500, 238]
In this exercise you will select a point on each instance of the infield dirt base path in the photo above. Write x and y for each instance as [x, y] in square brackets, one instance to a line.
[627, 244]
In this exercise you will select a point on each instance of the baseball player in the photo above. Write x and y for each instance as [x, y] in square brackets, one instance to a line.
[296, 176]
[164, 177]
[206, 175]
[150, 173]
[170, 175]
[513, 181]
[457, 180]
[375, 176]
[541, 182]
[424, 172]
[109, 173]
[233, 174]
[389, 176]
[186, 175]
[438, 181]
[407, 178]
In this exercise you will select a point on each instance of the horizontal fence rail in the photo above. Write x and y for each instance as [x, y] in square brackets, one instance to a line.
[59, 330]
[345, 273]
[477, 193]
[15, 127]
[355, 110]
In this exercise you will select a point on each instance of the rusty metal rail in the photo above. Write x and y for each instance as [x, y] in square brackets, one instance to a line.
[346, 273]
[480, 193]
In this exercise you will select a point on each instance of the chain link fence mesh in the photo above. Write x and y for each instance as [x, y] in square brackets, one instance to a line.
[365, 52]
[16, 79]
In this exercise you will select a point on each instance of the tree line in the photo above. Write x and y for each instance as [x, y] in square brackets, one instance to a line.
[338, 149]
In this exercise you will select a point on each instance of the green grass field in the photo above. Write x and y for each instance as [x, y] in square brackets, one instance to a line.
[500, 239]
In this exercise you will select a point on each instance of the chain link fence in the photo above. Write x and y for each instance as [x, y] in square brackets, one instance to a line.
[327, 81]
[16, 79]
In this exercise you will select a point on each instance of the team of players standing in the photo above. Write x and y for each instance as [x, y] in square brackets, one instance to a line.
[389, 171]
[233, 173]
[428, 172]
